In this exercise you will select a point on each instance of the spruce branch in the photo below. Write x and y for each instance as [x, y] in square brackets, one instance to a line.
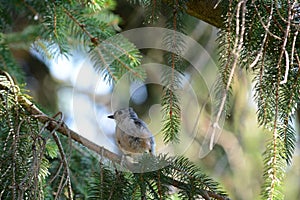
[118, 59]
[65, 26]
[206, 194]
[288, 132]
[109, 51]
[99, 53]
[267, 33]
[232, 64]
[260, 95]
[171, 77]
[173, 59]
[93, 38]
[275, 174]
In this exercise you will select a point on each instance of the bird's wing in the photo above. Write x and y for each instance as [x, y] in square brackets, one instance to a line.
[135, 127]
[143, 129]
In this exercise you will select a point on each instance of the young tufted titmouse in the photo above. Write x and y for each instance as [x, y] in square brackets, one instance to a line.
[132, 134]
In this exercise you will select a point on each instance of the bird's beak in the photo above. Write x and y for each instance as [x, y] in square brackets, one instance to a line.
[111, 116]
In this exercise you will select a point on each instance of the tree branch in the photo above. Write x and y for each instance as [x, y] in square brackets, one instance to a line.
[210, 11]
[64, 129]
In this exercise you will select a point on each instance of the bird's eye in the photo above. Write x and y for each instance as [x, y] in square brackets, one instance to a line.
[119, 112]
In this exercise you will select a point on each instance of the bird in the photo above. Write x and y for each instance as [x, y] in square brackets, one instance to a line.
[132, 134]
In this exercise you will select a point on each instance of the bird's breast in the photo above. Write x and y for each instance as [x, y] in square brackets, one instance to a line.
[131, 143]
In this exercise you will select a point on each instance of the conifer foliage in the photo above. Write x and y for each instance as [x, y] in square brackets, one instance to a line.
[262, 37]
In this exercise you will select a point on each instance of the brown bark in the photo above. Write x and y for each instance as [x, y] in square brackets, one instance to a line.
[209, 11]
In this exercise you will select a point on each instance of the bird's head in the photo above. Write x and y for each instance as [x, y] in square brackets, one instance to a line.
[124, 113]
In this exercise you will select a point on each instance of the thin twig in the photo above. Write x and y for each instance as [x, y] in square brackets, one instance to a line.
[93, 39]
[56, 173]
[235, 54]
[266, 27]
[65, 163]
[287, 68]
[267, 31]
[217, 4]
